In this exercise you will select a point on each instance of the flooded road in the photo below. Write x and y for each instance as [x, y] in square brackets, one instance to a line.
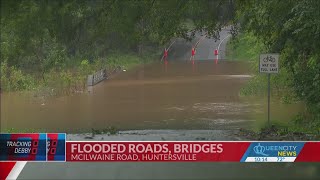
[179, 95]
[176, 95]
[201, 99]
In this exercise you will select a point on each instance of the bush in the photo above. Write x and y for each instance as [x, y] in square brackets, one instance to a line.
[244, 47]
[66, 79]
[12, 79]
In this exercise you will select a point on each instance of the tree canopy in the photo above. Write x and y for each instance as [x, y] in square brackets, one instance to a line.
[291, 28]
[43, 34]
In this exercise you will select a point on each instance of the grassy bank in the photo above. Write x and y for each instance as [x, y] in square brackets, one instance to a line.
[246, 47]
[71, 78]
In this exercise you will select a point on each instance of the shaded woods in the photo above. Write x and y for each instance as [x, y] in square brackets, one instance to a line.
[57, 43]
[291, 28]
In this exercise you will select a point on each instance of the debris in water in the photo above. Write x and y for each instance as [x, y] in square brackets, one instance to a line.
[88, 137]
[124, 70]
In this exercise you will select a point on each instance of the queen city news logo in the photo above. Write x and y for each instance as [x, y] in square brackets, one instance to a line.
[277, 149]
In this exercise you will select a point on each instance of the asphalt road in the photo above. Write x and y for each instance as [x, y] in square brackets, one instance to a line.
[120, 170]
[181, 49]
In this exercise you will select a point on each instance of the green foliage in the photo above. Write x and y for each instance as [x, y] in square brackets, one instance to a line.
[68, 81]
[126, 61]
[63, 81]
[305, 123]
[57, 43]
[12, 79]
[291, 28]
[13, 130]
[42, 35]
[85, 68]
[84, 63]
[244, 47]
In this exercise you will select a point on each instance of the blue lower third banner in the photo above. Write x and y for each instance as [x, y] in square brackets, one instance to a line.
[32, 147]
[272, 152]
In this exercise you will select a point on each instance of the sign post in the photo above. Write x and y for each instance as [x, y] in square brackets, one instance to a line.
[216, 52]
[193, 53]
[269, 63]
[165, 54]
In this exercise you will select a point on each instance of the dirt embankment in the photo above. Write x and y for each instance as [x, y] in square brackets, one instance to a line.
[274, 133]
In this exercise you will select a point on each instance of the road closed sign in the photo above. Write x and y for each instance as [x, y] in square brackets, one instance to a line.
[269, 63]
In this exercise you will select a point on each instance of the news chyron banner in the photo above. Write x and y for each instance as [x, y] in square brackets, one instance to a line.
[33, 147]
[195, 151]
[53, 147]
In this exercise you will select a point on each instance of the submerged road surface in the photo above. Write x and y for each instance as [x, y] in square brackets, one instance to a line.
[179, 95]
[202, 97]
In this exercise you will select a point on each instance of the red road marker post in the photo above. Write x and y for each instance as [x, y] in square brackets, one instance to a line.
[193, 53]
[165, 54]
[216, 52]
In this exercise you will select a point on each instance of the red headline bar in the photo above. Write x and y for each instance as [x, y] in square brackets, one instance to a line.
[156, 151]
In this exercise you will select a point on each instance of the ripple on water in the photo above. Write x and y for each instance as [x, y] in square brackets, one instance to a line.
[219, 108]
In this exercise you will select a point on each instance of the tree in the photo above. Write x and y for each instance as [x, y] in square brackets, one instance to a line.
[291, 28]
[41, 35]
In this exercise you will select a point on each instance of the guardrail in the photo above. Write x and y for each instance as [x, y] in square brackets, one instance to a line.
[97, 77]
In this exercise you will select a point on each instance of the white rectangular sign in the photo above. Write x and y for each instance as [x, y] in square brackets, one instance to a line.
[269, 63]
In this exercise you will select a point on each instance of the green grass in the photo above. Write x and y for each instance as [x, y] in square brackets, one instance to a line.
[23, 130]
[112, 130]
[71, 78]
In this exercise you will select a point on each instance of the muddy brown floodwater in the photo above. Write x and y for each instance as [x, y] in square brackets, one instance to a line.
[179, 95]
